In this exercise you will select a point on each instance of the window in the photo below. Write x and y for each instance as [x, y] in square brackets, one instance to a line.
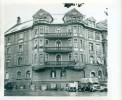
[99, 74]
[36, 31]
[99, 60]
[92, 74]
[18, 75]
[81, 30]
[69, 56]
[63, 73]
[70, 42]
[28, 75]
[81, 57]
[74, 18]
[69, 29]
[76, 57]
[46, 57]
[58, 30]
[20, 48]
[8, 50]
[8, 62]
[40, 42]
[7, 76]
[40, 58]
[9, 39]
[74, 29]
[91, 59]
[47, 29]
[97, 47]
[20, 61]
[41, 30]
[90, 34]
[81, 43]
[91, 46]
[21, 36]
[75, 43]
[35, 44]
[97, 36]
[46, 42]
[35, 58]
[53, 73]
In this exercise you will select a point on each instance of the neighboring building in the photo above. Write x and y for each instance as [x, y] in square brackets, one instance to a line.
[44, 53]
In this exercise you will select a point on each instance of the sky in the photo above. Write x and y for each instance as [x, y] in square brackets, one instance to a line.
[26, 10]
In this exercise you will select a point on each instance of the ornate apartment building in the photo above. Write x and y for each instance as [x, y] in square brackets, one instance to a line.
[42, 52]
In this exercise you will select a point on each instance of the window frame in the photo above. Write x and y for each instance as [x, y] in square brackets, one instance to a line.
[51, 73]
[19, 75]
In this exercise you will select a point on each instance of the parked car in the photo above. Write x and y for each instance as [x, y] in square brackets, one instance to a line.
[98, 87]
[71, 87]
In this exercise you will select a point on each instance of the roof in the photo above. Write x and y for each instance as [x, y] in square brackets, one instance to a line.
[21, 26]
[57, 19]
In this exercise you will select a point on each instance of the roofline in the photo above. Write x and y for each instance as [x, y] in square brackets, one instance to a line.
[63, 24]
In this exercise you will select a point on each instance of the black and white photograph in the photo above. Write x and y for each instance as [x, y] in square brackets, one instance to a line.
[57, 49]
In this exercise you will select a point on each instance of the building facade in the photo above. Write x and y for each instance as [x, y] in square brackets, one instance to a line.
[47, 54]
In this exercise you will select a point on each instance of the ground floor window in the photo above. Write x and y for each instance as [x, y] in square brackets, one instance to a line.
[92, 74]
[99, 74]
[28, 74]
[63, 73]
[7, 75]
[53, 73]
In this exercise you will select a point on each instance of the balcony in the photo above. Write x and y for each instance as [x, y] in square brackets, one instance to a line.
[60, 63]
[58, 49]
[58, 35]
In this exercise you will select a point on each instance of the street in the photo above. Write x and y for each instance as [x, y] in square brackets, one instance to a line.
[53, 93]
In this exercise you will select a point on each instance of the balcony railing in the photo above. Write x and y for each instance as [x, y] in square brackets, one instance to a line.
[58, 49]
[58, 35]
[60, 63]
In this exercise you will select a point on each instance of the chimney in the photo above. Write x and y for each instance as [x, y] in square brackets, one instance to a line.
[18, 20]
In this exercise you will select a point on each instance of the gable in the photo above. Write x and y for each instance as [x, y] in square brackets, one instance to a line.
[73, 12]
[41, 13]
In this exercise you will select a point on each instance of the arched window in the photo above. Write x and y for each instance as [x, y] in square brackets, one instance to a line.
[20, 61]
[91, 59]
[99, 74]
[99, 60]
[58, 59]
[7, 76]
[63, 73]
[28, 74]
[92, 74]
[53, 73]
[18, 75]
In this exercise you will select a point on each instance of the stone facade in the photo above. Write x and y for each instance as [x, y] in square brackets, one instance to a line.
[39, 52]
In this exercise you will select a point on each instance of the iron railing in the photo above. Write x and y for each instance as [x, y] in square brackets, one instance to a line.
[65, 63]
[58, 35]
[58, 49]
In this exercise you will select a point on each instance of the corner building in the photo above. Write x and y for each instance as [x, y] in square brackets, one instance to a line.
[45, 53]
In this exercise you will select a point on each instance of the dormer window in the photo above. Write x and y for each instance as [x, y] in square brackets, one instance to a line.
[74, 17]
[74, 12]
[45, 17]
[40, 13]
